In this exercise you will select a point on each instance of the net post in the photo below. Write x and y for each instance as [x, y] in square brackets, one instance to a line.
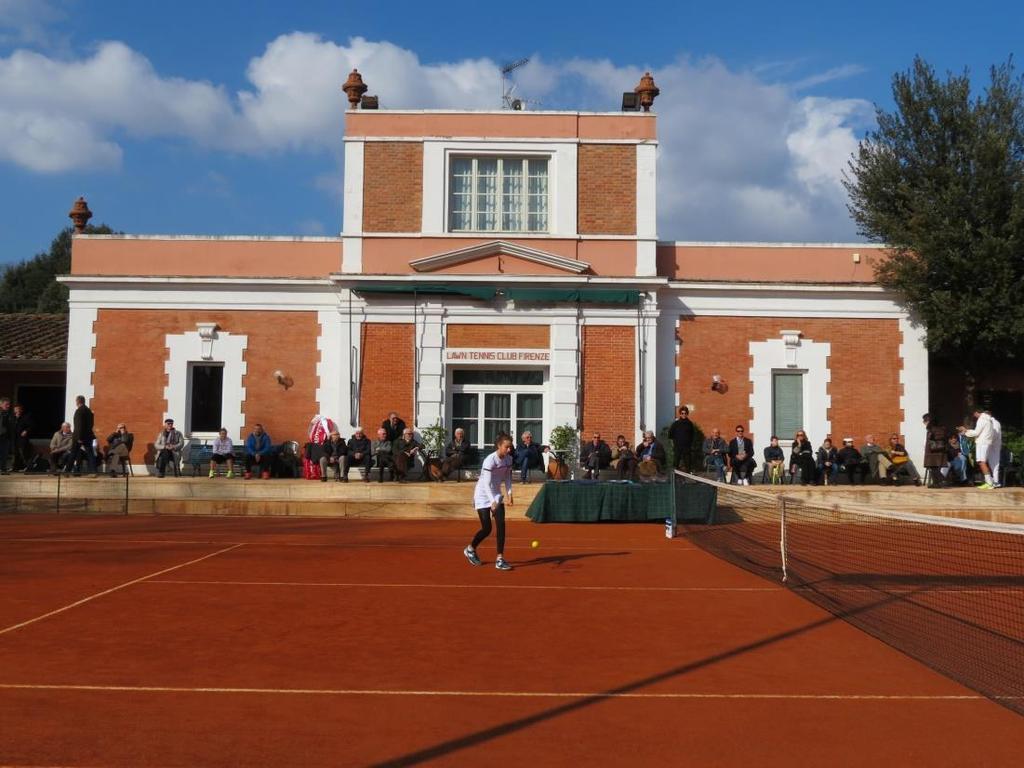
[782, 535]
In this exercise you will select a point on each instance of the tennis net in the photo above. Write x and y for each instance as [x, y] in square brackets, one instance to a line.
[948, 592]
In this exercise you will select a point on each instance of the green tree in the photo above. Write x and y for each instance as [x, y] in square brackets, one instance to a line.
[941, 182]
[30, 285]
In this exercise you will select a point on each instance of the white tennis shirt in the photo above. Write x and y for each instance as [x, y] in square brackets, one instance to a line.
[493, 472]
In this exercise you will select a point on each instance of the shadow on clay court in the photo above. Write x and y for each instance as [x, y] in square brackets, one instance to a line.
[560, 560]
[497, 731]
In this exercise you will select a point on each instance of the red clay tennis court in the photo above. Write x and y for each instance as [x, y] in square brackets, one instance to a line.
[174, 641]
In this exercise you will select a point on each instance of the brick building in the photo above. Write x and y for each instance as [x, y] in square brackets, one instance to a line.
[496, 270]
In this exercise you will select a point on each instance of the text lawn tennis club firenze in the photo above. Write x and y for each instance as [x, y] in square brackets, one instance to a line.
[499, 355]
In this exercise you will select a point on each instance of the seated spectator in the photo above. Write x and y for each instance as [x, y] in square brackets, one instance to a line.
[802, 458]
[334, 453]
[650, 457]
[527, 456]
[874, 455]
[956, 467]
[406, 449]
[851, 462]
[900, 462]
[119, 448]
[828, 462]
[384, 454]
[393, 426]
[775, 460]
[222, 452]
[715, 450]
[741, 456]
[61, 455]
[23, 451]
[623, 459]
[360, 454]
[456, 453]
[168, 446]
[595, 456]
[258, 453]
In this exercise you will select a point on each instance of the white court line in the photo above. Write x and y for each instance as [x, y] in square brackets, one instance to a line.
[505, 694]
[114, 589]
[375, 585]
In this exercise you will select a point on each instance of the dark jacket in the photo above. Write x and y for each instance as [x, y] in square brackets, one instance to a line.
[850, 456]
[82, 425]
[681, 435]
[115, 439]
[935, 446]
[734, 449]
[7, 423]
[394, 432]
[712, 444]
[531, 453]
[802, 451]
[604, 453]
[463, 449]
[657, 454]
[22, 423]
[828, 456]
[408, 446]
[359, 444]
[330, 448]
[774, 453]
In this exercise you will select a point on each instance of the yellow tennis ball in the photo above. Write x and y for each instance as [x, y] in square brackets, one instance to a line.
[534, 543]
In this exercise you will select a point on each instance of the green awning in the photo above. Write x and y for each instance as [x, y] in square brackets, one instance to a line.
[585, 296]
[486, 293]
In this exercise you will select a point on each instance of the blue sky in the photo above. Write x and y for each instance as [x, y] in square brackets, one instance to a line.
[225, 117]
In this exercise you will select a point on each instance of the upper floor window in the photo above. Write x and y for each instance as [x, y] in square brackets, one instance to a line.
[498, 194]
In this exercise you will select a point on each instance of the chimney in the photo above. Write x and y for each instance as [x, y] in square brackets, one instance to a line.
[80, 215]
[354, 88]
[646, 91]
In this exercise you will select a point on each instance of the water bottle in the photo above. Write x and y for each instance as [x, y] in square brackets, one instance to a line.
[670, 528]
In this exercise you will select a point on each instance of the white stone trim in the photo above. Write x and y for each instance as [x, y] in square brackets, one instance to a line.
[331, 402]
[220, 238]
[185, 348]
[352, 255]
[667, 372]
[497, 248]
[479, 235]
[757, 244]
[490, 139]
[353, 188]
[624, 282]
[914, 381]
[646, 191]
[810, 358]
[81, 363]
[782, 303]
[646, 258]
[263, 298]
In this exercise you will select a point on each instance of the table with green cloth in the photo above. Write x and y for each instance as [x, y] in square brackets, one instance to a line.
[589, 501]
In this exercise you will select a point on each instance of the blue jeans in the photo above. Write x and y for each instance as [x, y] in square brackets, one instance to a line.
[718, 462]
[524, 468]
[959, 465]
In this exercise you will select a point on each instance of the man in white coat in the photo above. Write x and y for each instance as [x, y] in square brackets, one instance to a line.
[988, 443]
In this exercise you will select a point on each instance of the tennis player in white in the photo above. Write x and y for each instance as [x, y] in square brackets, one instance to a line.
[487, 498]
[988, 443]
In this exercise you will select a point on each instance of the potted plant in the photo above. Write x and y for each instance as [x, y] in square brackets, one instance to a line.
[563, 442]
[435, 437]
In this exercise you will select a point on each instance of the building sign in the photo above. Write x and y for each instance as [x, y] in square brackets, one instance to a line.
[497, 356]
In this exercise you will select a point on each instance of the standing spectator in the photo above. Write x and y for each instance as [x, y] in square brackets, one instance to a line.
[456, 453]
[168, 445]
[527, 456]
[828, 462]
[741, 456]
[774, 459]
[360, 454]
[802, 458]
[384, 454]
[23, 453]
[119, 448]
[60, 449]
[988, 444]
[258, 453]
[393, 426]
[852, 462]
[595, 456]
[406, 449]
[334, 454]
[715, 450]
[623, 459]
[222, 452]
[681, 434]
[934, 446]
[83, 436]
[6, 432]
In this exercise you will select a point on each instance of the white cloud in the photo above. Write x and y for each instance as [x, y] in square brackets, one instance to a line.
[28, 21]
[740, 157]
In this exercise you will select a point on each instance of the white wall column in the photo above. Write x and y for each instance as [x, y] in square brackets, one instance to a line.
[647, 401]
[665, 384]
[332, 368]
[352, 229]
[81, 364]
[914, 378]
[564, 379]
[807, 357]
[430, 347]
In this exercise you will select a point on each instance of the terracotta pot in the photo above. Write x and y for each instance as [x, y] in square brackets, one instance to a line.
[558, 469]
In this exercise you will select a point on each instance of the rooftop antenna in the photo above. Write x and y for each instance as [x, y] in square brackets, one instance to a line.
[506, 92]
